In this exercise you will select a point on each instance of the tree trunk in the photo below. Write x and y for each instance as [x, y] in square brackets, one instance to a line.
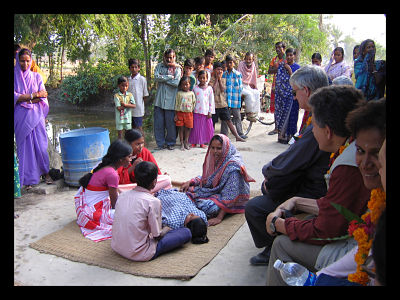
[146, 45]
[61, 65]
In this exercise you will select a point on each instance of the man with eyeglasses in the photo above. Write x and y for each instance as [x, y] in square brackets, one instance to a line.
[298, 171]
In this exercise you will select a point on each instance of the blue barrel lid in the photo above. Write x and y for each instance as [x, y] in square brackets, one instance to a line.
[83, 131]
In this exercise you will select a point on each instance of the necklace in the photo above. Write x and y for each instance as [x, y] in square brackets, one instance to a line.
[334, 155]
[364, 232]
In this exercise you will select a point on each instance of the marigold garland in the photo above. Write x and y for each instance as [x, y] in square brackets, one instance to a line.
[334, 155]
[363, 233]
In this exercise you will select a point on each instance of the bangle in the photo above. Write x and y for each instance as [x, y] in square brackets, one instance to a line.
[31, 96]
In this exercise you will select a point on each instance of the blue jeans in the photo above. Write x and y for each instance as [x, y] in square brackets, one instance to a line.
[173, 239]
[164, 120]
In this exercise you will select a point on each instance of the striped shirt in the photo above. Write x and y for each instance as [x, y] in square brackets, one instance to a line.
[233, 88]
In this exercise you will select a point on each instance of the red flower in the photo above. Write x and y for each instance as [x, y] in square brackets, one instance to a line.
[353, 225]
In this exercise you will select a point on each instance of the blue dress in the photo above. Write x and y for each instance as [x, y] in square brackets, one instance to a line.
[286, 107]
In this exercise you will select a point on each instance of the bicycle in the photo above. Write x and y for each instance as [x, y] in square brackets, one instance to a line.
[265, 100]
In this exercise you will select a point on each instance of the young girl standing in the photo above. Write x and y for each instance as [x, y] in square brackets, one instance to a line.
[203, 129]
[184, 106]
[124, 102]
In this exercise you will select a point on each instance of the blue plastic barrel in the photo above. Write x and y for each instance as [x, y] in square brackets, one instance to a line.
[81, 151]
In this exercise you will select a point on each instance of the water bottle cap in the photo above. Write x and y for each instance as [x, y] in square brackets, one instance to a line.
[278, 264]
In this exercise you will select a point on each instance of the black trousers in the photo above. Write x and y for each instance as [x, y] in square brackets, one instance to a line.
[256, 211]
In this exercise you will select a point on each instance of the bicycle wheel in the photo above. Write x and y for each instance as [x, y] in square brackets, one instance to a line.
[246, 126]
[265, 122]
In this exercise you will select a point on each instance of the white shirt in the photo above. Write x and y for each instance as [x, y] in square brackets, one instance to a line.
[138, 87]
[204, 100]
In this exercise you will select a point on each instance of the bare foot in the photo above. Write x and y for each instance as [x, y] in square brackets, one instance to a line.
[239, 139]
[182, 147]
[214, 221]
[187, 147]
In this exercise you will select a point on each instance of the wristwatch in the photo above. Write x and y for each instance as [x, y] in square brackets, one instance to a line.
[272, 224]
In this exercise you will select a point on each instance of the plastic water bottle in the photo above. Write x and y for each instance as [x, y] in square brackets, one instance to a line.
[295, 274]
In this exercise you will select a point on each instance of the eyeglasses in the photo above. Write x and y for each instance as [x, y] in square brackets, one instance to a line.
[295, 91]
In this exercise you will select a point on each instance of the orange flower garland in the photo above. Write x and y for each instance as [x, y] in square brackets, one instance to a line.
[334, 155]
[363, 233]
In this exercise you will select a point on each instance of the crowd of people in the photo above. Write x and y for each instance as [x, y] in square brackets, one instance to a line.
[337, 159]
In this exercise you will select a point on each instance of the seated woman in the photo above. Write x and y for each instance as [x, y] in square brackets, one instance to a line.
[178, 211]
[96, 198]
[224, 185]
[127, 179]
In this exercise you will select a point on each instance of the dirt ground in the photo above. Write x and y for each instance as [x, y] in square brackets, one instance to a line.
[50, 208]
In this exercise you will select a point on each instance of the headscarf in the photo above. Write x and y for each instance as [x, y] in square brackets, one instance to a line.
[249, 75]
[229, 156]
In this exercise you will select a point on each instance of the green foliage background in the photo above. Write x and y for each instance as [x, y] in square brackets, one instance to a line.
[101, 44]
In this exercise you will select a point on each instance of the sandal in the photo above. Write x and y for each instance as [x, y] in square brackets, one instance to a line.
[48, 180]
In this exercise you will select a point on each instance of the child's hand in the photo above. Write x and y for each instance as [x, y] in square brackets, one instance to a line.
[209, 115]
[175, 118]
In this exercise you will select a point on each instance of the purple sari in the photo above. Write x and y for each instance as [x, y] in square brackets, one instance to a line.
[29, 126]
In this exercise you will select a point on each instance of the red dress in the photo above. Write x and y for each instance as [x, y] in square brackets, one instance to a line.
[124, 177]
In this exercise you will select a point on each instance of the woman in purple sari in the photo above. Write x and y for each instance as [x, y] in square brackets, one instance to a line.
[30, 110]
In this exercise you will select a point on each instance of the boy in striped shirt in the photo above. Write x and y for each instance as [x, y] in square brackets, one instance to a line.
[233, 92]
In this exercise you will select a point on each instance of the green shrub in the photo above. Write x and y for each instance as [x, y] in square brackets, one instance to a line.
[89, 79]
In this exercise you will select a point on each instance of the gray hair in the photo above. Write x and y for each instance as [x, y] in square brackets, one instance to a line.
[342, 80]
[312, 77]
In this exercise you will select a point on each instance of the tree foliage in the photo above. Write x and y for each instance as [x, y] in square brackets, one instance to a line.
[106, 41]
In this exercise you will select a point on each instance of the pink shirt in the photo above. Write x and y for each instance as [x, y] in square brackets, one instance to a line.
[137, 220]
[107, 177]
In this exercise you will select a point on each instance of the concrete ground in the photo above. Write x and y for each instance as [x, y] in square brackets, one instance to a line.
[48, 208]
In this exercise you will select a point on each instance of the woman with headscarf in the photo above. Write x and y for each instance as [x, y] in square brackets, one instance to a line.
[30, 110]
[370, 74]
[223, 186]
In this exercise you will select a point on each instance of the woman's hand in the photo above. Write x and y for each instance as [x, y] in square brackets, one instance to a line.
[40, 94]
[185, 186]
